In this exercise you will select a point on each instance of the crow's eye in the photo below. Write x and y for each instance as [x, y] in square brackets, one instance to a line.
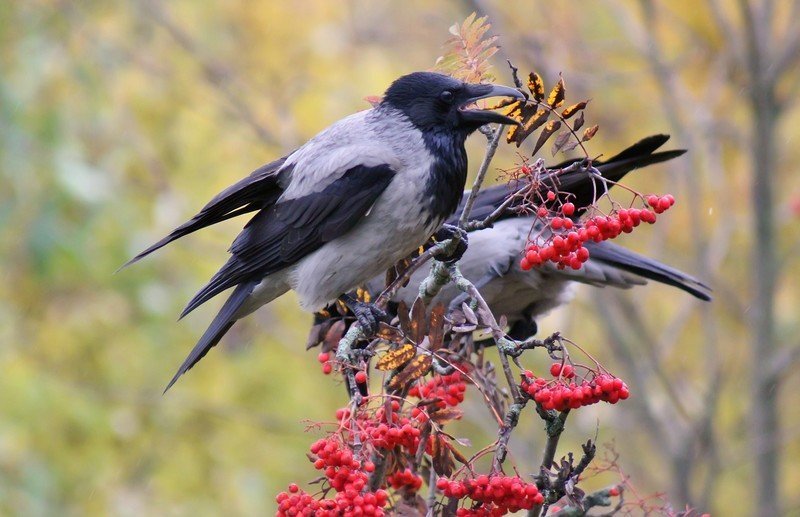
[447, 96]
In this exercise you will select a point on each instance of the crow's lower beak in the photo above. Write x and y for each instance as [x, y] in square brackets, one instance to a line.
[484, 91]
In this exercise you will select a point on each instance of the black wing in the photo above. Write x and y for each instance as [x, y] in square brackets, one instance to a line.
[280, 235]
[258, 190]
[583, 185]
[626, 260]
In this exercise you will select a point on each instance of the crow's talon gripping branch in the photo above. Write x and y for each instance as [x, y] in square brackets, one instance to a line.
[448, 232]
[368, 315]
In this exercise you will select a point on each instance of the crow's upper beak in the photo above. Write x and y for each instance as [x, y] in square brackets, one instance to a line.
[483, 91]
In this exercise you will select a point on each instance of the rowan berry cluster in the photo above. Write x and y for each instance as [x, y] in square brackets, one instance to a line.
[448, 389]
[561, 393]
[498, 495]
[404, 479]
[565, 244]
[384, 429]
[346, 475]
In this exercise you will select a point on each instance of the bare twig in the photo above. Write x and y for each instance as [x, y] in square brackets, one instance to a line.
[491, 148]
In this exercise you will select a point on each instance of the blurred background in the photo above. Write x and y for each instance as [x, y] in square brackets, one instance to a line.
[118, 120]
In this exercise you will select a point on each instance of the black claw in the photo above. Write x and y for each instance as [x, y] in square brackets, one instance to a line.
[368, 315]
[449, 231]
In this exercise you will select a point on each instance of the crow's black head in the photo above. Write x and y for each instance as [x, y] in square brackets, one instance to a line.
[435, 101]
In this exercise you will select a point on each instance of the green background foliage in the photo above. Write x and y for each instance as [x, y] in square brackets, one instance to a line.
[119, 119]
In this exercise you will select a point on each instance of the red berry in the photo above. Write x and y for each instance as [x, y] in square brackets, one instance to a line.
[568, 371]
[361, 376]
[323, 357]
[613, 492]
[524, 264]
[555, 369]
[551, 195]
[568, 209]
[327, 368]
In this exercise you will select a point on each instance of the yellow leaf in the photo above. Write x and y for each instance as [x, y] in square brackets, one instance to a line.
[396, 358]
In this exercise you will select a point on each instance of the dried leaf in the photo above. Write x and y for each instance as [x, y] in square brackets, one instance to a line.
[530, 123]
[334, 334]
[570, 111]
[396, 358]
[315, 335]
[589, 132]
[390, 333]
[460, 457]
[559, 142]
[441, 456]
[419, 322]
[463, 329]
[571, 144]
[415, 369]
[536, 86]
[402, 315]
[446, 415]
[436, 331]
[469, 313]
[578, 122]
[556, 97]
[547, 132]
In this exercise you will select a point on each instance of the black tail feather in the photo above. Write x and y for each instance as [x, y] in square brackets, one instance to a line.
[626, 260]
[222, 322]
[252, 193]
[584, 186]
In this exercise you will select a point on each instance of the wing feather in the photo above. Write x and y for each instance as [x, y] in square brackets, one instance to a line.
[279, 236]
[258, 190]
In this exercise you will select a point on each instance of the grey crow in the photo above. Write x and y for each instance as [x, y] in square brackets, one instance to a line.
[345, 206]
[492, 260]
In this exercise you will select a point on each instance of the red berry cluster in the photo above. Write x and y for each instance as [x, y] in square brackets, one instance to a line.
[498, 494]
[404, 479]
[386, 429]
[449, 389]
[346, 475]
[324, 359]
[565, 246]
[561, 394]
[660, 204]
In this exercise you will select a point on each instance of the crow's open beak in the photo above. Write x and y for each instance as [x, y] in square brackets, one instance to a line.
[484, 91]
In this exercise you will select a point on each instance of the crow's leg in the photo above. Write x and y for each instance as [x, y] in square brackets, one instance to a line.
[367, 314]
[446, 232]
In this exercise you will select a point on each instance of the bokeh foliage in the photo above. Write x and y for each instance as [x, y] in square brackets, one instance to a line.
[119, 119]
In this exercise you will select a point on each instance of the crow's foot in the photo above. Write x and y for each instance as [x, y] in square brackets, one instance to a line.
[446, 232]
[368, 315]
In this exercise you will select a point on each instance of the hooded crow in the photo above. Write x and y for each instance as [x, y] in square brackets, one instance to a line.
[492, 260]
[345, 206]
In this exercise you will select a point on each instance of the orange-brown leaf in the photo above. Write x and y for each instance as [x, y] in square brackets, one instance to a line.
[436, 331]
[589, 132]
[536, 86]
[390, 333]
[447, 415]
[547, 132]
[571, 110]
[556, 97]
[402, 315]
[419, 323]
[396, 358]
[415, 369]
[532, 119]
[442, 458]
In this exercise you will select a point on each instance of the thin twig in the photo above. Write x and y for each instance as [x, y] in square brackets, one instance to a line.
[491, 148]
